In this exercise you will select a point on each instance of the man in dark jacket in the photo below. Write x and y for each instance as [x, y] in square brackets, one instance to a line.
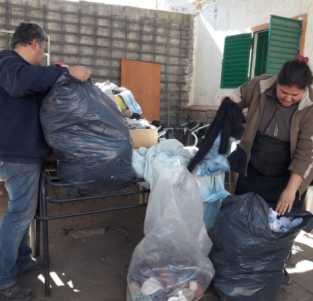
[23, 84]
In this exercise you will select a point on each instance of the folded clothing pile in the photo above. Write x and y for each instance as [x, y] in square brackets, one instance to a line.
[123, 99]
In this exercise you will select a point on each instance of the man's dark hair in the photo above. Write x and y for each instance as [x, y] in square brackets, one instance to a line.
[295, 73]
[25, 33]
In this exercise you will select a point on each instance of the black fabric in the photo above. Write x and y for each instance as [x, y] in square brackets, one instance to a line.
[136, 116]
[228, 122]
[270, 156]
[156, 123]
[22, 86]
[87, 132]
[247, 256]
[268, 172]
[270, 188]
[238, 160]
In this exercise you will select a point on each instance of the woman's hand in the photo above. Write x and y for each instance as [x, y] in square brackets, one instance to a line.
[288, 196]
[286, 201]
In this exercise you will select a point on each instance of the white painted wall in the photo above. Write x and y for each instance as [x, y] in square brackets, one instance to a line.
[221, 18]
[183, 6]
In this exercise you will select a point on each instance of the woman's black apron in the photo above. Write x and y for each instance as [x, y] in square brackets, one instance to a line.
[268, 170]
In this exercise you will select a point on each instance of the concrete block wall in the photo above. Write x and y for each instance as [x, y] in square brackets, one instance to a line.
[99, 36]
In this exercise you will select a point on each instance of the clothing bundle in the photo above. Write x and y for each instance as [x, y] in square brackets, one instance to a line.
[123, 98]
[228, 122]
[190, 282]
[281, 223]
[170, 154]
[139, 123]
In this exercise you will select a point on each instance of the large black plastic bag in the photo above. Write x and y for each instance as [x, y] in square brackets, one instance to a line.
[87, 133]
[248, 257]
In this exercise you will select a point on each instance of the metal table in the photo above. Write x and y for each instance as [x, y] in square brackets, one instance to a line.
[49, 183]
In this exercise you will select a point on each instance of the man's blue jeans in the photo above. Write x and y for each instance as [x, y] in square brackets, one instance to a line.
[22, 183]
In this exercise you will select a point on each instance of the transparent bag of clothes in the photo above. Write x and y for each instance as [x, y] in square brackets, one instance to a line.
[171, 262]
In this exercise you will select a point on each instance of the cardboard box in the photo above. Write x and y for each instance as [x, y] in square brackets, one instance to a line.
[144, 137]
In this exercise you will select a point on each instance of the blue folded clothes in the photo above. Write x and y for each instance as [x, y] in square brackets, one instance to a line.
[168, 155]
[131, 102]
[213, 162]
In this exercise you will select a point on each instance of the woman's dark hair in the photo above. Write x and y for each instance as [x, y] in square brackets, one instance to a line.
[25, 33]
[295, 73]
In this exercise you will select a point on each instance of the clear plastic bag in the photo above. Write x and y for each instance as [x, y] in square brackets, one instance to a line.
[172, 259]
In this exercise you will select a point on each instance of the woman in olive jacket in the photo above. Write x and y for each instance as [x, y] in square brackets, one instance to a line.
[275, 155]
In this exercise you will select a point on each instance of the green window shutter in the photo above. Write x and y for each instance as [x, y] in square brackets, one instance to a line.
[261, 53]
[283, 43]
[236, 60]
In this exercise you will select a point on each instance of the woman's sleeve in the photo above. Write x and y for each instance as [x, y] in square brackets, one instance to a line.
[302, 161]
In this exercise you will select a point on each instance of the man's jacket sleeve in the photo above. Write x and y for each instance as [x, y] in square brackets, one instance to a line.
[19, 79]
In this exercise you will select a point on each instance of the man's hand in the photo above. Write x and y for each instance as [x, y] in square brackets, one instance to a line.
[79, 72]
[286, 201]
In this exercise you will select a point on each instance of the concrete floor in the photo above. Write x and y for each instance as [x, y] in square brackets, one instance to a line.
[90, 258]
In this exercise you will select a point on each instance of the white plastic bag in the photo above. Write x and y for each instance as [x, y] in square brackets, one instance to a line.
[172, 260]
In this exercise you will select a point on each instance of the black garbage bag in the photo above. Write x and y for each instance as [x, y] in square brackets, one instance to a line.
[87, 133]
[248, 257]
